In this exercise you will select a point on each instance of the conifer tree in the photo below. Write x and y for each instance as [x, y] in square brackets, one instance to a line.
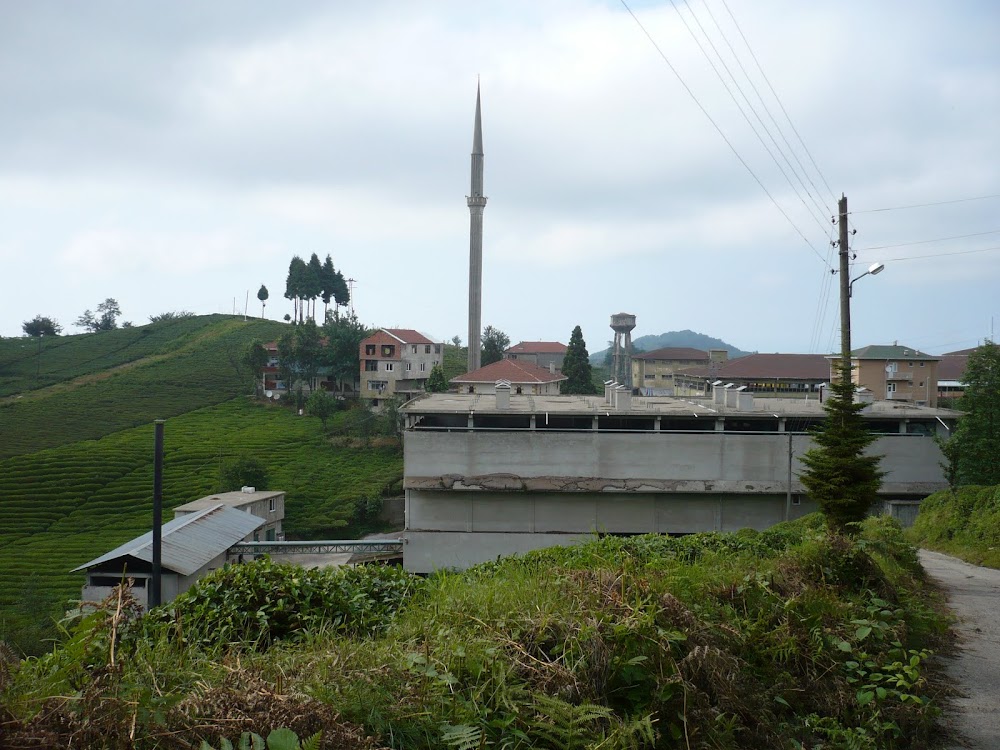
[435, 381]
[839, 476]
[977, 438]
[576, 366]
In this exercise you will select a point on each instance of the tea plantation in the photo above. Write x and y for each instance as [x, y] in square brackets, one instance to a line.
[76, 458]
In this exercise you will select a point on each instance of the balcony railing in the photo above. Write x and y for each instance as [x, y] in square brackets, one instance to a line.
[899, 376]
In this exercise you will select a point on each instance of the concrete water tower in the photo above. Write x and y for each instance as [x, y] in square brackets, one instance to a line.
[621, 359]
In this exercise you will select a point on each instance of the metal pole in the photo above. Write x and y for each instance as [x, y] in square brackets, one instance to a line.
[154, 599]
[788, 495]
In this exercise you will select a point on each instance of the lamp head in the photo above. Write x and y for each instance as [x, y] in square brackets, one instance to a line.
[876, 268]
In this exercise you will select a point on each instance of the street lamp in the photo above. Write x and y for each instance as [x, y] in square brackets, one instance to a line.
[874, 269]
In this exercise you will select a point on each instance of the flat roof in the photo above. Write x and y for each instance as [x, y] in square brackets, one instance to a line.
[231, 499]
[463, 403]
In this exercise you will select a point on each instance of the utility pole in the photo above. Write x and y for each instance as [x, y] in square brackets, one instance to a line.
[845, 291]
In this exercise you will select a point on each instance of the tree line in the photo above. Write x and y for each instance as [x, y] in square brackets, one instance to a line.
[307, 282]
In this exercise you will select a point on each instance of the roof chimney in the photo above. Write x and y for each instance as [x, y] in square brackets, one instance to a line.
[718, 393]
[552, 368]
[623, 398]
[609, 388]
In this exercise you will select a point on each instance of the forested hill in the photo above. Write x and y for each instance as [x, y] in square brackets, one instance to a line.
[684, 338]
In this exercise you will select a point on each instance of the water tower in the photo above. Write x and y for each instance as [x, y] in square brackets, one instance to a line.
[621, 360]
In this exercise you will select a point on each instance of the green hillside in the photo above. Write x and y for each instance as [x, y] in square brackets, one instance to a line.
[686, 338]
[101, 383]
[76, 453]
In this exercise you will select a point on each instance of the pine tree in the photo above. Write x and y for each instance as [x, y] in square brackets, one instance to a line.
[576, 366]
[977, 438]
[435, 381]
[839, 476]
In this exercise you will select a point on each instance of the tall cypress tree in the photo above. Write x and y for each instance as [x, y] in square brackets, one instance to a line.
[576, 366]
[839, 476]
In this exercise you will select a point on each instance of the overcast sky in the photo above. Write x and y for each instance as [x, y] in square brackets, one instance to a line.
[176, 156]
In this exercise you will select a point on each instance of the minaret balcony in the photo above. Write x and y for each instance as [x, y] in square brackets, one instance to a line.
[476, 200]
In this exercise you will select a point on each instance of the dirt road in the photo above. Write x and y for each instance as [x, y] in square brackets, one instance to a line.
[974, 596]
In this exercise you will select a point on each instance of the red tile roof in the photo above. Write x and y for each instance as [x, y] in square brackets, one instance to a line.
[537, 347]
[408, 335]
[674, 352]
[513, 370]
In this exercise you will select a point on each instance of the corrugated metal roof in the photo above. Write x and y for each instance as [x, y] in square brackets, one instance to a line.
[188, 542]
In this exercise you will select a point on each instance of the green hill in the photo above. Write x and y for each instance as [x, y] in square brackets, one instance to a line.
[76, 456]
[684, 338]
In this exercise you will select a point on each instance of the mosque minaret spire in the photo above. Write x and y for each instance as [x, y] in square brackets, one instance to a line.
[477, 202]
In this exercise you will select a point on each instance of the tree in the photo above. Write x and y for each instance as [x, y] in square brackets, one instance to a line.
[343, 335]
[839, 476]
[295, 285]
[40, 326]
[321, 404]
[288, 366]
[436, 382]
[977, 438]
[313, 282]
[255, 358]
[576, 366]
[244, 471]
[495, 343]
[308, 350]
[262, 295]
[178, 315]
[456, 340]
[106, 318]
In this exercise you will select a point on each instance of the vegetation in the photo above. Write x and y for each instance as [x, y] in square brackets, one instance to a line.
[106, 318]
[40, 326]
[576, 366]
[972, 452]
[435, 381]
[842, 480]
[495, 343]
[454, 361]
[117, 380]
[308, 281]
[790, 638]
[262, 295]
[964, 523]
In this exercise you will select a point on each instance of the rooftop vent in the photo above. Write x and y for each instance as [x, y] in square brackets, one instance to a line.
[248, 490]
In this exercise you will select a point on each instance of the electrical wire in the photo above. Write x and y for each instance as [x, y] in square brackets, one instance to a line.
[924, 205]
[925, 242]
[719, 130]
[941, 255]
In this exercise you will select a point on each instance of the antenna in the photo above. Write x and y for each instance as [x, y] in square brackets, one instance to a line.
[350, 291]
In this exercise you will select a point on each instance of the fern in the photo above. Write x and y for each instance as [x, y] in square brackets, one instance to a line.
[463, 736]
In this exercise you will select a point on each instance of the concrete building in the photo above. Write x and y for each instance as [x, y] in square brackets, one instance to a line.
[522, 377]
[268, 505]
[192, 545]
[396, 362]
[951, 374]
[893, 373]
[653, 372]
[542, 354]
[487, 475]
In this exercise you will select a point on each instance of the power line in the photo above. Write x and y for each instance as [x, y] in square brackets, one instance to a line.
[719, 130]
[924, 205]
[941, 255]
[925, 242]
[778, 99]
[817, 217]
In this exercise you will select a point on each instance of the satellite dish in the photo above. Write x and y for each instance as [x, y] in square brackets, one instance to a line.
[268, 394]
[888, 368]
[276, 396]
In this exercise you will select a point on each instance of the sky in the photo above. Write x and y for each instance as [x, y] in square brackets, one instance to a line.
[177, 156]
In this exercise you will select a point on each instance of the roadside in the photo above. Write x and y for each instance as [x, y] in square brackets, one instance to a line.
[974, 596]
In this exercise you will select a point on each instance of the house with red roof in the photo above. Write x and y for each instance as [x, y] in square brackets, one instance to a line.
[396, 362]
[524, 378]
[539, 353]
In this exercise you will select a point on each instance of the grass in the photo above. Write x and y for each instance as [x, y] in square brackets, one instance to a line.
[64, 506]
[106, 382]
[965, 524]
[789, 638]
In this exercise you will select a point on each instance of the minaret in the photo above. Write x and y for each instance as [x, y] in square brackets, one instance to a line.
[477, 202]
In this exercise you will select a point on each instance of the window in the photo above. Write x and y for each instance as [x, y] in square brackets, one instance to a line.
[437, 348]
[271, 505]
[472, 389]
[921, 364]
[649, 376]
[408, 367]
[921, 384]
[388, 366]
[371, 365]
[427, 349]
[388, 350]
[369, 349]
[414, 349]
[423, 367]
[377, 385]
[269, 535]
[890, 387]
[909, 364]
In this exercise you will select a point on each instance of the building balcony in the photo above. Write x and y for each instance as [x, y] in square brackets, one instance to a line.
[899, 376]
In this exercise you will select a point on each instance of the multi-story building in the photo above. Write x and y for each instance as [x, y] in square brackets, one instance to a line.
[396, 362]
[786, 375]
[488, 475]
[893, 373]
[653, 372]
[266, 504]
[539, 353]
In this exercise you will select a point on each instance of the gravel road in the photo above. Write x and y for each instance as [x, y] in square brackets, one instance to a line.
[974, 596]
